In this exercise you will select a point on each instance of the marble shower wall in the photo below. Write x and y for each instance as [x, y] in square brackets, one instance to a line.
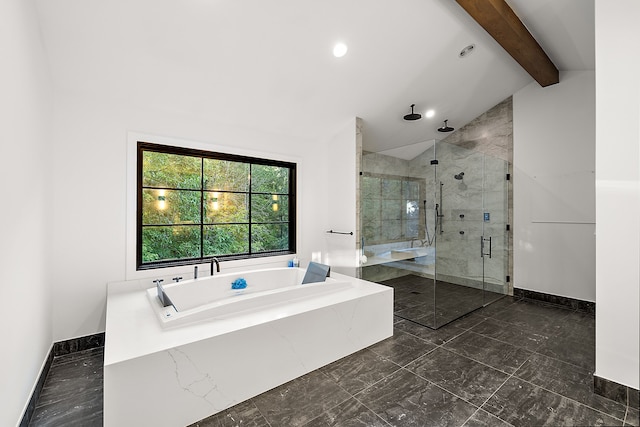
[491, 134]
[463, 205]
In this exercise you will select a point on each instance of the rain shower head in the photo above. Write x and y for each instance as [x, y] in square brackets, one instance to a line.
[445, 128]
[459, 176]
[412, 116]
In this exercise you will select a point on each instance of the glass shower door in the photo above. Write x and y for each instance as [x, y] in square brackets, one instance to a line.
[459, 270]
[495, 234]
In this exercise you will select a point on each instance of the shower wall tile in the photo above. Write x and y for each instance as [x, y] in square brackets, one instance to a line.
[387, 165]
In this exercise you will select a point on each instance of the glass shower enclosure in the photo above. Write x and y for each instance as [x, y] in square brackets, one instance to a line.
[435, 228]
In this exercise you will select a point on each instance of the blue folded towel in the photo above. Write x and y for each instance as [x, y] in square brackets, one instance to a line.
[239, 283]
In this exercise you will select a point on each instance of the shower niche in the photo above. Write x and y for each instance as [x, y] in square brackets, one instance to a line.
[435, 228]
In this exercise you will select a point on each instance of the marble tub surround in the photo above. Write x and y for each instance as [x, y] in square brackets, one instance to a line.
[201, 368]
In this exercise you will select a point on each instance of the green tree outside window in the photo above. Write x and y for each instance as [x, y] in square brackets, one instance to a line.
[194, 205]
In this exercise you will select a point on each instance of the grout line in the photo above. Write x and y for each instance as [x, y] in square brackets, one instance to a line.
[453, 350]
[518, 368]
[470, 416]
[354, 396]
[568, 398]
[527, 359]
[255, 406]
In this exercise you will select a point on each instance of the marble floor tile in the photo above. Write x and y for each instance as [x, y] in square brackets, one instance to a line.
[498, 306]
[468, 321]
[436, 336]
[577, 350]
[73, 376]
[497, 354]
[403, 302]
[356, 372]
[244, 414]
[72, 393]
[415, 313]
[514, 335]
[482, 418]
[404, 399]
[523, 404]
[300, 400]
[402, 348]
[531, 316]
[568, 380]
[80, 410]
[350, 413]
[459, 375]
[632, 418]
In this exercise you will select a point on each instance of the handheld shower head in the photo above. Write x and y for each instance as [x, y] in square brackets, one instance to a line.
[459, 176]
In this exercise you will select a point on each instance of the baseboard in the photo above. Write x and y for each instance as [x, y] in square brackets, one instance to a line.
[620, 393]
[572, 303]
[59, 348]
[74, 345]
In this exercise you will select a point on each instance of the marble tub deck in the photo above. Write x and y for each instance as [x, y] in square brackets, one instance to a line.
[206, 366]
[512, 363]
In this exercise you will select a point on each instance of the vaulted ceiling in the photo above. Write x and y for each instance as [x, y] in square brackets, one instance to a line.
[268, 65]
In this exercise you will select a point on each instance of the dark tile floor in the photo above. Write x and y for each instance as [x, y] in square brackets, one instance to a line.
[72, 392]
[431, 304]
[513, 362]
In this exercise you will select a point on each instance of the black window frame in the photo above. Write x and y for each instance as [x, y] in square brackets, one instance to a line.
[143, 146]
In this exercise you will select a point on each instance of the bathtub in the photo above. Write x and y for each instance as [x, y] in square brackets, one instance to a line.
[219, 347]
[212, 297]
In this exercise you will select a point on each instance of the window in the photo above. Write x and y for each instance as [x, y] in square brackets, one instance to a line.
[194, 204]
[391, 208]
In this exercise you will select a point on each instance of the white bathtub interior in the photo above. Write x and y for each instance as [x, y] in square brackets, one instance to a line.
[212, 297]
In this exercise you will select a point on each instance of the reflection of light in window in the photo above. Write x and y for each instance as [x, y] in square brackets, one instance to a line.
[162, 202]
[214, 203]
[274, 205]
[412, 207]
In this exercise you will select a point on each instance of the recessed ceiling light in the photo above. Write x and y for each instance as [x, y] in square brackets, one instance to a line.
[429, 113]
[467, 51]
[339, 50]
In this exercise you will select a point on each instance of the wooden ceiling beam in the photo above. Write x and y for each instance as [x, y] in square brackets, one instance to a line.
[499, 20]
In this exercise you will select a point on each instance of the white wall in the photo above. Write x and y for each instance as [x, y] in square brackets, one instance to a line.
[340, 211]
[25, 105]
[617, 191]
[90, 186]
[554, 193]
